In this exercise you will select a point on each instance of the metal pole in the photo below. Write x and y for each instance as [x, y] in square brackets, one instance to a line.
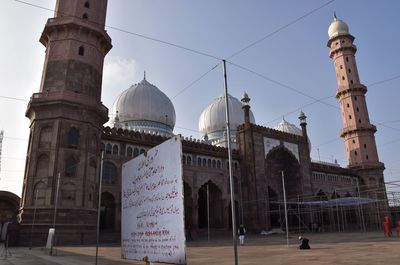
[228, 132]
[34, 217]
[286, 217]
[98, 206]
[208, 213]
[55, 215]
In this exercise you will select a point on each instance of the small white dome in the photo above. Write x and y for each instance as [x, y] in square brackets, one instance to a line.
[144, 107]
[337, 27]
[287, 127]
[213, 118]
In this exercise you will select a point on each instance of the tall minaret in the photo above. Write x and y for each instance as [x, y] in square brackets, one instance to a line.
[357, 132]
[67, 118]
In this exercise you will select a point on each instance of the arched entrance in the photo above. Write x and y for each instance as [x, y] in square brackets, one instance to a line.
[281, 160]
[216, 206]
[107, 211]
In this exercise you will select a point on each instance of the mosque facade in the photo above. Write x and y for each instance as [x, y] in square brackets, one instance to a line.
[67, 135]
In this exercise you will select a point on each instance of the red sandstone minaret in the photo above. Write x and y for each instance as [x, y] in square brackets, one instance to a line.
[67, 118]
[357, 132]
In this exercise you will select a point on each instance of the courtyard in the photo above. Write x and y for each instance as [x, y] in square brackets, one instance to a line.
[327, 248]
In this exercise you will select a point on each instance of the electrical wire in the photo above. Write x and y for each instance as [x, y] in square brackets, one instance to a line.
[127, 32]
[279, 29]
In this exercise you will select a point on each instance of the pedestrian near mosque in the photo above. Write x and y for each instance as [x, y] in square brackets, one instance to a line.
[241, 232]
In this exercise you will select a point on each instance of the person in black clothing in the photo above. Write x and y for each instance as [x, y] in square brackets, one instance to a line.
[241, 232]
[304, 243]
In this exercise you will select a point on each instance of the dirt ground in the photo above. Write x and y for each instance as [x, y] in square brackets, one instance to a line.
[327, 248]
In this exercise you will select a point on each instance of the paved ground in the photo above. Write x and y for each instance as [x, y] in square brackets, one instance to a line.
[339, 248]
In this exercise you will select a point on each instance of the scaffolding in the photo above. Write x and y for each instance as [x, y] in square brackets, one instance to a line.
[363, 212]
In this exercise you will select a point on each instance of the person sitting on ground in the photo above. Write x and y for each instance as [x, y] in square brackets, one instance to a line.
[304, 243]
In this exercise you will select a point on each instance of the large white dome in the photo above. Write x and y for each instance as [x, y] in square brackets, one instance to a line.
[144, 107]
[212, 120]
[337, 27]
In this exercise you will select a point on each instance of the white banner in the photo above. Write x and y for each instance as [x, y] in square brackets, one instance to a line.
[152, 205]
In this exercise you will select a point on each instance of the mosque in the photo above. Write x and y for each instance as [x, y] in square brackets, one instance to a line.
[67, 135]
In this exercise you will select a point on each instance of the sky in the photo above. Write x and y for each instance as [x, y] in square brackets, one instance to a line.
[289, 65]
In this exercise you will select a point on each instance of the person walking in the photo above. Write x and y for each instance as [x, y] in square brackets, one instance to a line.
[241, 232]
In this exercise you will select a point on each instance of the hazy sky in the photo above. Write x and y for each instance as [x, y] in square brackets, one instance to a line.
[295, 57]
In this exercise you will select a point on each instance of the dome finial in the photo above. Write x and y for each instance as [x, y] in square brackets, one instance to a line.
[334, 16]
[144, 75]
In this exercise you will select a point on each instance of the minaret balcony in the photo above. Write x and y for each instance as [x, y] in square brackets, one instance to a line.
[70, 97]
[343, 90]
[65, 23]
[353, 129]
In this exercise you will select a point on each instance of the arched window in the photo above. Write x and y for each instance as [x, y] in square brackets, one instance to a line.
[103, 147]
[218, 164]
[87, 4]
[70, 167]
[73, 136]
[209, 163]
[81, 51]
[115, 150]
[189, 160]
[184, 160]
[199, 162]
[45, 137]
[129, 151]
[214, 164]
[85, 16]
[42, 167]
[204, 162]
[39, 197]
[141, 151]
[135, 152]
[109, 173]
[108, 149]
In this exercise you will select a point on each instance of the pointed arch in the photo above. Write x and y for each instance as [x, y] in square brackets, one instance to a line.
[279, 160]
[115, 149]
[45, 137]
[215, 200]
[107, 211]
[42, 167]
[110, 173]
[73, 136]
[108, 149]
[129, 151]
[135, 152]
[39, 193]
